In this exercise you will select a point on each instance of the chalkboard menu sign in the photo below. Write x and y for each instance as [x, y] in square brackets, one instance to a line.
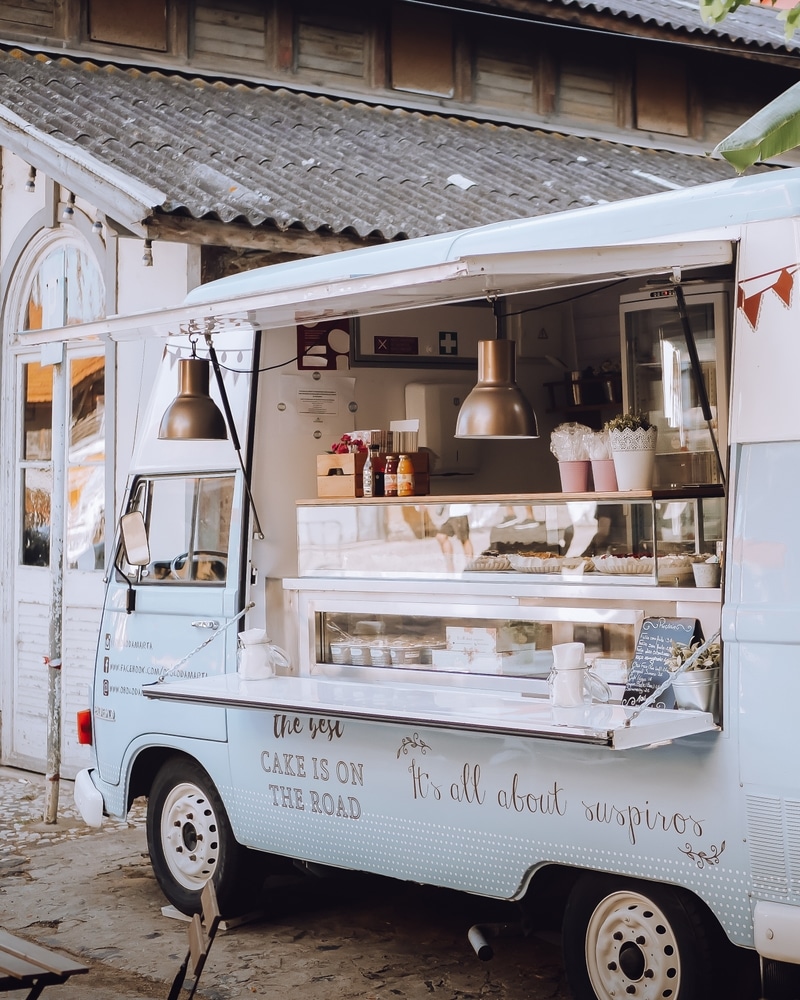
[649, 668]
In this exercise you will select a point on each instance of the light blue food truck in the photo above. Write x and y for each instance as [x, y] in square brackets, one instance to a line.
[292, 671]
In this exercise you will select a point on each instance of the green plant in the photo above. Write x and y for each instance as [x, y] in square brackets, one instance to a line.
[680, 653]
[628, 422]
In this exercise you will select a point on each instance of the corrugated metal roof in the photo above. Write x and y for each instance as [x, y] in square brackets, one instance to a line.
[271, 156]
[753, 25]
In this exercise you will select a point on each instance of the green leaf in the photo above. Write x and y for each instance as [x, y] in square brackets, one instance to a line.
[792, 19]
[770, 131]
[714, 11]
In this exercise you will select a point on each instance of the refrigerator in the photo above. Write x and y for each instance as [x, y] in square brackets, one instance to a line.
[658, 380]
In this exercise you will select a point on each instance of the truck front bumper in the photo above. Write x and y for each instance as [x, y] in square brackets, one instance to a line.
[88, 799]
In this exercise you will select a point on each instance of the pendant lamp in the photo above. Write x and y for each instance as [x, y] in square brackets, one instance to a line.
[193, 415]
[496, 407]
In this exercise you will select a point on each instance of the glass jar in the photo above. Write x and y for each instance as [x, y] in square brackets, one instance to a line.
[390, 476]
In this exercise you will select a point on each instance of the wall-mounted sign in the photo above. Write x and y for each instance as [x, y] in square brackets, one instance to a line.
[324, 346]
[445, 336]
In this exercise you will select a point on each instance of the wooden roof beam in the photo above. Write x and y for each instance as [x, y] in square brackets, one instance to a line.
[206, 232]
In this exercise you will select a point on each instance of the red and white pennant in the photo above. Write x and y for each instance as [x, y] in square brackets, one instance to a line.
[752, 290]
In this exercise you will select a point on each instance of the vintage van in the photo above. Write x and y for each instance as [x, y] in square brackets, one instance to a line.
[400, 719]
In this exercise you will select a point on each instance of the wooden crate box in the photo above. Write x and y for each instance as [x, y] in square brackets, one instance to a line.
[341, 475]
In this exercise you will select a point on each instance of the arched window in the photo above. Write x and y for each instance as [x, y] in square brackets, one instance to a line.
[64, 289]
[60, 284]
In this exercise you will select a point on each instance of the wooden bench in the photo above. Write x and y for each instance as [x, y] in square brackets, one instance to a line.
[202, 931]
[26, 966]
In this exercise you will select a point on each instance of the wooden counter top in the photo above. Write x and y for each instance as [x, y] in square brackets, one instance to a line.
[674, 493]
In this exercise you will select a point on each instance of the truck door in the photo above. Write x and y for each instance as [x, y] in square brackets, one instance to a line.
[182, 600]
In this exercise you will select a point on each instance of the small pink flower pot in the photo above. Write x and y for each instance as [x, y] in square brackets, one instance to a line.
[604, 475]
[574, 476]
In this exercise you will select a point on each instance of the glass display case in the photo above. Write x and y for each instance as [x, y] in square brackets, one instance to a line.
[480, 661]
[449, 608]
[659, 382]
[648, 538]
[352, 640]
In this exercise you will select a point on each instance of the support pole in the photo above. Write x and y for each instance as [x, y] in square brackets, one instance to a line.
[57, 526]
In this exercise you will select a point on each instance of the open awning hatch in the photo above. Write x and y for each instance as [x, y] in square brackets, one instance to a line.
[302, 296]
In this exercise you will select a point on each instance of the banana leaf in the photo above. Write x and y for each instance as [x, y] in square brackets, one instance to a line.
[770, 131]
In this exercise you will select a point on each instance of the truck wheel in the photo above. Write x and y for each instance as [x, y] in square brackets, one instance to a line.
[628, 938]
[190, 841]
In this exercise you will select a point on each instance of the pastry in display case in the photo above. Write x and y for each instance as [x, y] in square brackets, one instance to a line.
[643, 538]
[504, 647]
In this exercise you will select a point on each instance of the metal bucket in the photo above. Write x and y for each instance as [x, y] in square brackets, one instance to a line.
[698, 690]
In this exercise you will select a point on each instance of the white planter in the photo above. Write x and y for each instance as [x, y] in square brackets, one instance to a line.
[634, 454]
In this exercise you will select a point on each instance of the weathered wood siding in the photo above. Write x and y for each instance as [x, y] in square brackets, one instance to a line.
[29, 720]
[326, 48]
[228, 33]
[586, 93]
[502, 81]
[26, 15]
[81, 630]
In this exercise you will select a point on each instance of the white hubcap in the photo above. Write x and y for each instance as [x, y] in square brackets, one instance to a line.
[189, 836]
[631, 950]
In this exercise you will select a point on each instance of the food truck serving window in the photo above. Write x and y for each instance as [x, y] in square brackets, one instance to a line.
[188, 521]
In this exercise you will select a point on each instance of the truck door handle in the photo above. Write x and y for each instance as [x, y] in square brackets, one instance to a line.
[205, 624]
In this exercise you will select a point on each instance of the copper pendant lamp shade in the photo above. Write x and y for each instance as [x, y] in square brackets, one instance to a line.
[496, 407]
[193, 415]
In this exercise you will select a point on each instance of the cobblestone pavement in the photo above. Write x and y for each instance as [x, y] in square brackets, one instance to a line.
[22, 804]
[92, 894]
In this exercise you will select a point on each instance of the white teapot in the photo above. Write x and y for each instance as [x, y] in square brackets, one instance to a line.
[571, 682]
[258, 657]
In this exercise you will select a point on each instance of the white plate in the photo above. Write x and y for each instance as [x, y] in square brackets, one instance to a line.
[488, 564]
[623, 565]
[631, 566]
[533, 564]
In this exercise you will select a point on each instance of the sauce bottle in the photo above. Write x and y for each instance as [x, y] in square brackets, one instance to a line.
[377, 477]
[390, 476]
[371, 475]
[405, 477]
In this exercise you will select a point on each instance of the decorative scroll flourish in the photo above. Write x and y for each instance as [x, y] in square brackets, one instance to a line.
[701, 858]
[414, 742]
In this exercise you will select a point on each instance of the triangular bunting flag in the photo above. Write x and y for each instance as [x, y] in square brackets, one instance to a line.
[750, 307]
[783, 286]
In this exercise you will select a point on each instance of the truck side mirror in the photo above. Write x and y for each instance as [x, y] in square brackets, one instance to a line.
[134, 538]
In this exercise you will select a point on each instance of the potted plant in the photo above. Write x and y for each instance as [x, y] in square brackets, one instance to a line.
[696, 686]
[633, 449]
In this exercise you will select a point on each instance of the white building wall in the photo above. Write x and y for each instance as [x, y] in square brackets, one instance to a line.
[130, 287]
[18, 205]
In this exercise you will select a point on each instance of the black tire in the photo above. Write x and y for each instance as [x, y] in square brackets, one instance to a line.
[628, 938]
[781, 981]
[190, 840]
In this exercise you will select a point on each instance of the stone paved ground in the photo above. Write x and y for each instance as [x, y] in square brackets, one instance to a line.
[22, 804]
[92, 894]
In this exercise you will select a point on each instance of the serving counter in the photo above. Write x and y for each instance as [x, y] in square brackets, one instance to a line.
[500, 713]
[445, 613]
